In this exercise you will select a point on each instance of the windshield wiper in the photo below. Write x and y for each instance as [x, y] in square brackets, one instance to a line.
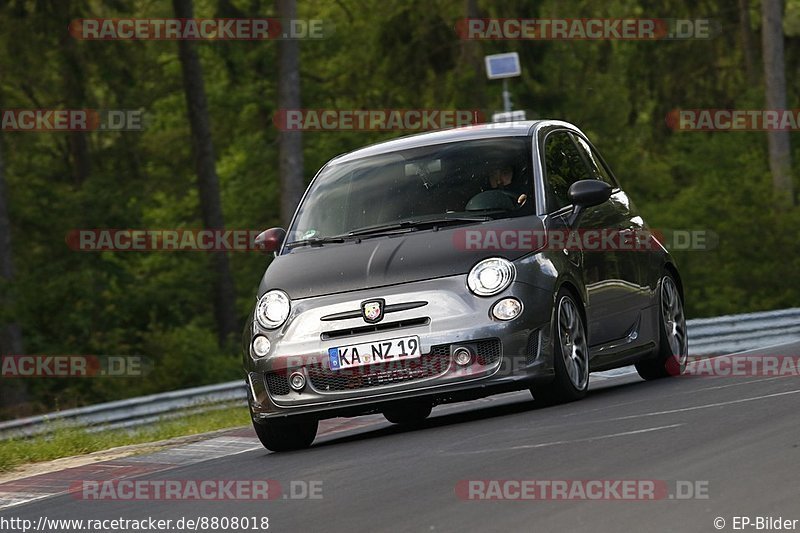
[411, 225]
[317, 241]
[403, 225]
[489, 210]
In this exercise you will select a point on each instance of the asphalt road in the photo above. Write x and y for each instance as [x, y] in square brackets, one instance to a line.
[736, 437]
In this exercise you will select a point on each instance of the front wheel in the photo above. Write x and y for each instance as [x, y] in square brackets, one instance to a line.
[281, 435]
[672, 339]
[570, 355]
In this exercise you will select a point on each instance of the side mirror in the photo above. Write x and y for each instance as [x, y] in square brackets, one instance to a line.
[587, 193]
[270, 240]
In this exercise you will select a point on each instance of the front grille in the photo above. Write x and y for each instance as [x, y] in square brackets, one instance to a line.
[372, 328]
[277, 383]
[324, 379]
[389, 308]
[428, 365]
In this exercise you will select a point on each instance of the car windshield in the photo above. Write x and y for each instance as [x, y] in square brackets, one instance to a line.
[461, 182]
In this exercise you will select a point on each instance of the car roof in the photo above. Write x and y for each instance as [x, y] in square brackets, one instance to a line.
[479, 131]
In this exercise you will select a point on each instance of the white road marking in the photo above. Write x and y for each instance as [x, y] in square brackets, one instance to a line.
[737, 384]
[8, 501]
[186, 455]
[706, 406]
[560, 442]
[680, 393]
[631, 369]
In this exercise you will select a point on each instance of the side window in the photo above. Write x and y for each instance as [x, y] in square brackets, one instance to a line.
[598, 169]
[563, 167]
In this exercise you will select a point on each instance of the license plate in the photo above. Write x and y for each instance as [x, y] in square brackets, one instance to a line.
[369, 353]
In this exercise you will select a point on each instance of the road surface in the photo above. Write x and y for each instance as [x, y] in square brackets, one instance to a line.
[733, 439]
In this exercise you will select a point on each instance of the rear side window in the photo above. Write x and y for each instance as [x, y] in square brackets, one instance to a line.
[564, 165]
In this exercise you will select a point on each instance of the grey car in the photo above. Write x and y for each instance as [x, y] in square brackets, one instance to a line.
[451, 265]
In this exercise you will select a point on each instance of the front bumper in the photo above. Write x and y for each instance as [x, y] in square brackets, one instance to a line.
[441, 312]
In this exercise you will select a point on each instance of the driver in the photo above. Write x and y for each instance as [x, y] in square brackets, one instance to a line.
[501, 178]
[502, 191]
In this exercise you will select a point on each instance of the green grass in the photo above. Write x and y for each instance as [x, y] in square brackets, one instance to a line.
[67, 442]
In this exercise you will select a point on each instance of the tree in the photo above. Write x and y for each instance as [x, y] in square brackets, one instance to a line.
[780, 157]
[13, 391]
[207, 179]
[74, 77]
[747, 42]
[382, 55]
[291, 142]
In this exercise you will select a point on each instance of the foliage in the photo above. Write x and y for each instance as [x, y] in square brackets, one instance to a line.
[381, 55]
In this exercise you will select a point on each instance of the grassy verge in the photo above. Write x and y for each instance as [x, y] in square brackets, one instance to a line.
[67, 442]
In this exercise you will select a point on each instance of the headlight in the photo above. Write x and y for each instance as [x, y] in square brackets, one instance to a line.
[490, 276]
[507, 309]
[261, 345]
[273, 309]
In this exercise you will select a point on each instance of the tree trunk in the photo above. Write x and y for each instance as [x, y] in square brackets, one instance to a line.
[75, 92]
[207, 179]
[290, 142]
[747, 42]
[13, 393]
[780, 158]
[74, 77]
[472, 57]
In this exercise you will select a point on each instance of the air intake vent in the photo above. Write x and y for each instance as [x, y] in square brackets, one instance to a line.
[373, 328]
[277, 383]
[532, 351]
[431, 364]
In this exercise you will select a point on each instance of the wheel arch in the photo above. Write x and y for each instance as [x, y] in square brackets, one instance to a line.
[572, 288]
[672, 269]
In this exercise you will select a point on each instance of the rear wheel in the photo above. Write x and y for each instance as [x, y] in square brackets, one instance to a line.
[570, 355]
[672, 338]
[281, 435]
[408, 414]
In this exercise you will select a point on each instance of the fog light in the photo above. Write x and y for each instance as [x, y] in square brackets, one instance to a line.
[462, 356]
[297, 381]
[261, 346]
[507, 308]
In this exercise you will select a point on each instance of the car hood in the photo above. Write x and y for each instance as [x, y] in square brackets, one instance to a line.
[306, 271]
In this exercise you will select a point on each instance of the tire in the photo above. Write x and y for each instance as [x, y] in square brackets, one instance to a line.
[570, 354]
[281, 435]
[408, 414]
[672, 351]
